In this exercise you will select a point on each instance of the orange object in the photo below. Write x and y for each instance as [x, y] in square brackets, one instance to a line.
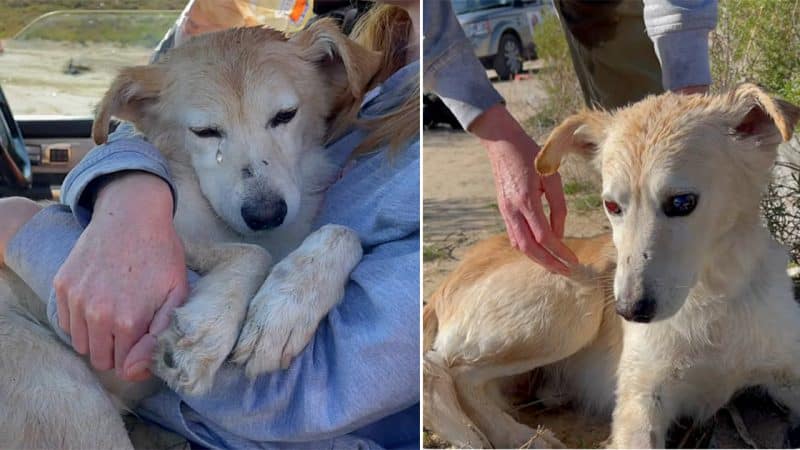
[298, 10]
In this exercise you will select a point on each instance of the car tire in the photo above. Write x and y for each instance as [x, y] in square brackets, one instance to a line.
[509, 58]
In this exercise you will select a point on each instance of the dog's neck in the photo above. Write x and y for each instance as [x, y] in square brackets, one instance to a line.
[745, 256]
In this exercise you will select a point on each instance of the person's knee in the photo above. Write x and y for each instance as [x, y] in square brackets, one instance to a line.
[14, 212]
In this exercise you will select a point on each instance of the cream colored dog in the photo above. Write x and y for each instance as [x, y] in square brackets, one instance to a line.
[707, 305]
[242, 117]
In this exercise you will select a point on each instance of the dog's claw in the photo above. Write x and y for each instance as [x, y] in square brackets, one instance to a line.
[187, 362]
[268, 347]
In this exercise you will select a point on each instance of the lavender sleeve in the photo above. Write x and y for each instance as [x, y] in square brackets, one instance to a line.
[452, 70]
[124, 151]
[679, 31]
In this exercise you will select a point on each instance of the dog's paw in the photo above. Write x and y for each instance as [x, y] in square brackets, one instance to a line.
[298, 294]
[276, 330]
[193, 348]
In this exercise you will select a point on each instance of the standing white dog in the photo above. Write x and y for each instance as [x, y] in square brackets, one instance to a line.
[702, 287]
[242, 117]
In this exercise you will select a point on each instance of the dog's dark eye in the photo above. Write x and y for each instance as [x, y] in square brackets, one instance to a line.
[680, 205]
[613, 208]
[283, 117]
[206, 132]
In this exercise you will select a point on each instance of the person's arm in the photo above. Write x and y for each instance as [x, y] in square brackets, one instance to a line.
[679, 30]
[454, 73]
[112, 283]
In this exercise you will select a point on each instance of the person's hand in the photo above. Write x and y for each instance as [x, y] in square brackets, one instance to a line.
[127, 264]
[520, 190]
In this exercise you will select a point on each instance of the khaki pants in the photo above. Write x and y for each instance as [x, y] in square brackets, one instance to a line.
[613, 57]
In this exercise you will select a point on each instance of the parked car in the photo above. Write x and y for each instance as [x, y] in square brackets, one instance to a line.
[501, 31]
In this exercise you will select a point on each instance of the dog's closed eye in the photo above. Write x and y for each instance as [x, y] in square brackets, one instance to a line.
[283, 117]
[206, 132]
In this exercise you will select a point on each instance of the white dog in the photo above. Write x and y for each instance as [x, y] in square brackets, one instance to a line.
[242, 117]
[702, 287]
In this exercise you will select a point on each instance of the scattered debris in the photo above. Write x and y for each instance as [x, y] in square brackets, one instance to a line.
[75, 68]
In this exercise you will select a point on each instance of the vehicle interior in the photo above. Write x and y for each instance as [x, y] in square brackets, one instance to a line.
[52, 133]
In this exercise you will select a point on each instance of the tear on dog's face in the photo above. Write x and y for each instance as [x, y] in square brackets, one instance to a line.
[680, 175]
[247, 112]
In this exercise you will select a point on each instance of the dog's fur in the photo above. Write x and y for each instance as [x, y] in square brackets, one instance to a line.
[243, 84]
[721, 312]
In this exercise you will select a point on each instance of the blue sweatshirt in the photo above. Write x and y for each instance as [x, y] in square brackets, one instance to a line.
[356, 385]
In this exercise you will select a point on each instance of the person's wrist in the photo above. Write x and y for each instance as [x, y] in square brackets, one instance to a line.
[135, 191]
[497, 125]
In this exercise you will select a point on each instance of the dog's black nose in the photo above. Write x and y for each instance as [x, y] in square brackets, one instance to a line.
[264, 215]
[641, 311]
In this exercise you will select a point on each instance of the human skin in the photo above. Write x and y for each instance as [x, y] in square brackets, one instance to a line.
[520, 189]
[130, 286]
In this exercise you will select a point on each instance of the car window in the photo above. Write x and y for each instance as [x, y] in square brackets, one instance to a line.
[61, 62]
[56, 60]
[465, 6]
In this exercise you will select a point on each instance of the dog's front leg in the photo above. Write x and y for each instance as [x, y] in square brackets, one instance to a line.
[204, 330]
[643, 412]
[298, 293]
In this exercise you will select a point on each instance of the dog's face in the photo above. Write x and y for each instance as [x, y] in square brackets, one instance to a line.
[680, 173]
[249, 110]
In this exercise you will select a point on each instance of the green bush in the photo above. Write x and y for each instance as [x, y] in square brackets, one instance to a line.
[759, 41]
[557, 77]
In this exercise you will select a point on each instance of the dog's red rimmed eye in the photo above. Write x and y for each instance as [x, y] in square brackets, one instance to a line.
[612, 207]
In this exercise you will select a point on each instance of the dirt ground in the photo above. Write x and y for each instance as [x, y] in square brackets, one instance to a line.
[460, 209]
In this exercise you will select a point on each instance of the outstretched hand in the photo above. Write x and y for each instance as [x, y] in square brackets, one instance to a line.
[520, 190]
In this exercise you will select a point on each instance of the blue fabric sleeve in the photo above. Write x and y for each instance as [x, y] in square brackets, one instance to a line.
[361, 366]
[679, 31]
[356, 385]
[124, 151]
[452, 70]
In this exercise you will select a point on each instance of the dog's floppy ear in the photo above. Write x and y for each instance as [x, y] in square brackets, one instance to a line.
[133, 91]
[761, 116]
[580, 133]
[348, 63]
